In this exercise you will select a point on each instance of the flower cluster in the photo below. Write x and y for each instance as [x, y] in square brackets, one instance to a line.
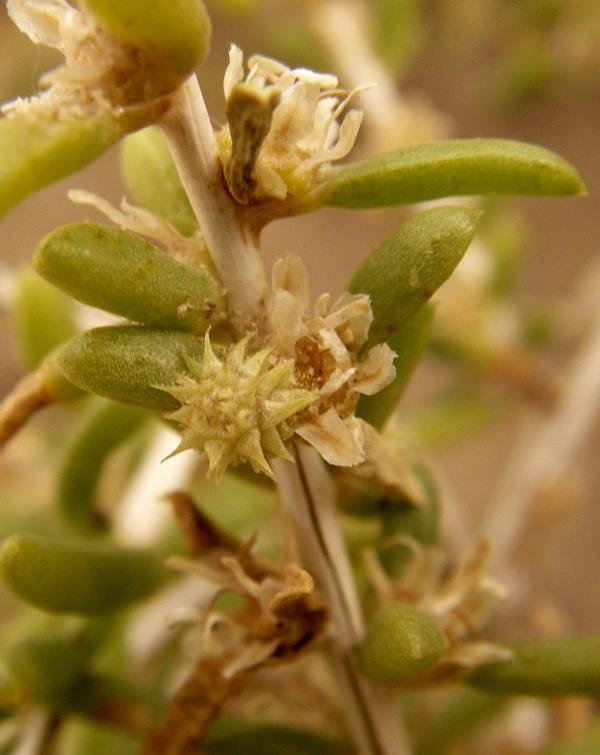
[305, 379]
[282, 127]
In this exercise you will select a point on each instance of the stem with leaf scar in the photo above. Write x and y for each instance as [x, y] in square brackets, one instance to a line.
[304, 487]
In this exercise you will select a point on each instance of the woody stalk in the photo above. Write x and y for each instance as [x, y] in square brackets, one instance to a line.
[295, 375]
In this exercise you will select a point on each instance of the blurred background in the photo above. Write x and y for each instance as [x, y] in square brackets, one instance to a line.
[519, 312]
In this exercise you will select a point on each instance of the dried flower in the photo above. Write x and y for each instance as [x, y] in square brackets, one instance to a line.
[282, 613]
[283, 127]
[325, 349]
[461, 600]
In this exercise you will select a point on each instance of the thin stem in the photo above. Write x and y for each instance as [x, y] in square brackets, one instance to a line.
[233, 249]
[27, 397]
[309, 498]
[194, 707]
[392, 121]
[544, 455]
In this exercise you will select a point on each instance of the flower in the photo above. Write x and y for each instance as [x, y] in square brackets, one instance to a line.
[282, 614]
[304, 378]
[282, 127]
[461, 599]
[325, 349]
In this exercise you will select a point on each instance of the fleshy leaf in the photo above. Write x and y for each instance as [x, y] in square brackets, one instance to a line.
[450, 168]
[175, 32]
[124, 274]
[105, 427]
[45, 666]
[62, 576]
[410, 265]
[38, 148]
[463, 714]
[408, 342]
[152, 181]
[126, 363]
[544, 668]
[42, 315]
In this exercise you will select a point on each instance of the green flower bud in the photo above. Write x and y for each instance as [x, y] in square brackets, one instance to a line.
[122, 273]
[401, 644]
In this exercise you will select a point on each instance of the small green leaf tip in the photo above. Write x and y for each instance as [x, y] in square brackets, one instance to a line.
[126, 363]
[43, 317]
[38, 148]
[122, 273]
[408, 342]
[105, 426]
[544, 668]
[450, 168]
[152, 181]
[47, 665]
[62, 576]
[401, 644]
[410, 265]
[175, 32]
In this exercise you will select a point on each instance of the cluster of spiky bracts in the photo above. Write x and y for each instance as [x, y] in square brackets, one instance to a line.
[234, 408]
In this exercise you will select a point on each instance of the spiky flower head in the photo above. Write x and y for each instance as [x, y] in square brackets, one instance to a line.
[234, 408]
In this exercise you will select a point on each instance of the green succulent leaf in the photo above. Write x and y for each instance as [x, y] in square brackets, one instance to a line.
[152, 181]
[544, 668]
[468, 710]
[38, 148]
[124, 274]
[408, 342]
[66, 576]
[126, 363]
[174, 32]
[45, 666]
[401, 644]
[43, 317]
[410, 265]
[450, 168]
[104, 428]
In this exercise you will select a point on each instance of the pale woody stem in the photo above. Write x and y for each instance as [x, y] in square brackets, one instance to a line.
[372, 715]
[308, 495]
[192, 143]
[546, 454]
